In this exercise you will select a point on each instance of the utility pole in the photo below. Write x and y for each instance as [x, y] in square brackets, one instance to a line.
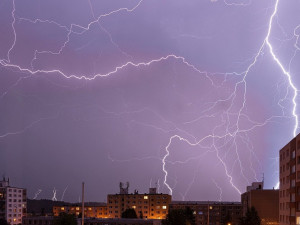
[208, 213]
[82, 206]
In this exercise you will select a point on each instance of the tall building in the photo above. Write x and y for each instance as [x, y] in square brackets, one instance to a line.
[12, 202]
[210, 212]
[266, 203]
[289, 175]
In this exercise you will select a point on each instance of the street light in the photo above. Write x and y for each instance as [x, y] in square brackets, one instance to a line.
[208, 208]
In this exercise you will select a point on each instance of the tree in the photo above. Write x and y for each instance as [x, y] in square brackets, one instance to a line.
[251, 217]
[180, 217]
[65, 219]
[141, 215]
[3, 222]
[129, 213]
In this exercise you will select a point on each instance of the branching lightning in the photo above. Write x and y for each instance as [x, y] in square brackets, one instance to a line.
[231, 131]
[285, 72]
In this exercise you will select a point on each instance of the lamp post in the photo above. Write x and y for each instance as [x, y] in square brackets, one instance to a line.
[208, 208]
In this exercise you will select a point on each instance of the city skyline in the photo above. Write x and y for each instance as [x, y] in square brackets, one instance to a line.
[193, 98]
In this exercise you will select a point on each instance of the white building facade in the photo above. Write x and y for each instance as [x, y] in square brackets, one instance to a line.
[13, 203]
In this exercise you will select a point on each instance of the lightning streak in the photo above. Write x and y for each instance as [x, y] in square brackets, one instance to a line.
[37, 193]
[232, 130]
[220, 189]
[54, 195]
[14, 30]
[292, 85]
[63, 194]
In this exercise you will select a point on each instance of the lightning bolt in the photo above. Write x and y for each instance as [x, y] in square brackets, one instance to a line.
[37, 193]
[63, 194]
[54, 195]
[232, 130]
[285, 72]
[14, 31]
[243, 84]
[219, 188]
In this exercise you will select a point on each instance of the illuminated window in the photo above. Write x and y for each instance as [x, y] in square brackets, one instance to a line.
[210, 207]
[90, 208]
[164, 207]
[77, 208]
[134, 207]
[298, 220]
[62, 208]
[145, 197]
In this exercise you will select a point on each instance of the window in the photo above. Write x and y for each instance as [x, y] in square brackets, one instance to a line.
[164, 207]
[293, 197]
[145, 197]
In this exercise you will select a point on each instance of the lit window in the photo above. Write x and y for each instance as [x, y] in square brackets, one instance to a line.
[77, 208]
[210, 207]
[164, 207]
[146, 197]
[134, 207]
[298, 220]
[62, 208]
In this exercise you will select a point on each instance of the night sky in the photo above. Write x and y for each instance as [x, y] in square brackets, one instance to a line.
[195, 97]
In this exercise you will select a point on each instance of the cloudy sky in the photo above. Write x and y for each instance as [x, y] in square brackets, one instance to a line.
[192, 97]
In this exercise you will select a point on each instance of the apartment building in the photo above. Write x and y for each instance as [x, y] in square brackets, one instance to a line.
[91, 210]
[289, 177]
[147, 206]
[12, 202]
[265, 201]
[212, 212]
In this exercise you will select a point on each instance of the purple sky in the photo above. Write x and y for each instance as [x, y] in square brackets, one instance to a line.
[194, 92]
